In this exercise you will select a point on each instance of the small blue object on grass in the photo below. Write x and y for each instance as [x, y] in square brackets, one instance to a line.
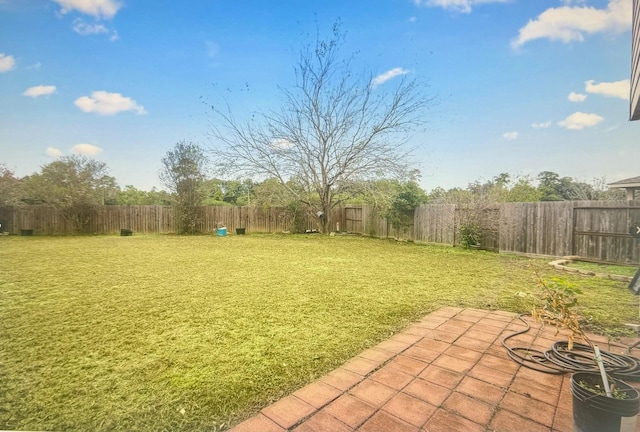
[222, 232]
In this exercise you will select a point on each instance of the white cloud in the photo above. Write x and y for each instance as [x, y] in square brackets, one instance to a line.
[212, 49]
[105, 103]
[619, 89]
[577, 97]
[7, 62]
[510, 136]
[543, 125]
[463, 6]
[86, 149]
[382, 78]
[101, 9]
[83, 28]
[281, 144]
[571, 23]
[413, 19]
[40, 90]
[53, 152]
[35, 66]
[580, 120]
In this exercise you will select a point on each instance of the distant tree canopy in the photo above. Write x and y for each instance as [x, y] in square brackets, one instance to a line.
[407, 197]
[228, 192]
[335, 130]
[130, 195]
[9, 187]
[548, 186]
[75, 185]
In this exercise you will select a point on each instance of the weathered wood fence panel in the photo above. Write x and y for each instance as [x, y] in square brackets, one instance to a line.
[46, 220]
[601, 231]
[540, 228]
[139, 218]
[354, 219]
[435, 224]
[366, 220]
[376, 226]
[39, 219]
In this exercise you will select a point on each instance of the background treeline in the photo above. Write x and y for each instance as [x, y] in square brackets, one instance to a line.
[82, 179]
[76, 184]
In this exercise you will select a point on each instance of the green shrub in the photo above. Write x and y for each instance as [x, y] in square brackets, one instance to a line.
[470, 235]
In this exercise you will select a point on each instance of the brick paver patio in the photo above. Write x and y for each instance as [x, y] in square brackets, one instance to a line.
[447, 372]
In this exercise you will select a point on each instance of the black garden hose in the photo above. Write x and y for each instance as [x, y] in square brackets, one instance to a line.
[559, 360]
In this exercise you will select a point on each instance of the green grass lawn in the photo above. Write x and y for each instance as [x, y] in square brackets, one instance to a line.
[191, 333]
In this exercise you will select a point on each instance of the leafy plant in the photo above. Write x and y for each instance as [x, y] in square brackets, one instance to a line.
[556, 306]
[599, 390]
[407, 197]
[183, 172]
[470, 235]
[296, 214]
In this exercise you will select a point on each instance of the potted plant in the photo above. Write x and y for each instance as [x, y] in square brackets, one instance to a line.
[601, 403]
[241, 230]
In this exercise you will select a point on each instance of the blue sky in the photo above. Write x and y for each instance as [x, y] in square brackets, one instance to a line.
[522, 86]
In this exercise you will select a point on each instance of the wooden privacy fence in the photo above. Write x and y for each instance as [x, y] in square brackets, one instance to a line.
[45, 220]
[597, 230]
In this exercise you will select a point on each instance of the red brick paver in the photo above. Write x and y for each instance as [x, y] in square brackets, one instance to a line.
[318, 394]
[469, 407]
[506, 421]
[258, 423]
[350, 410]
[412, 410]
[288, 411]
[446, 421]
[373, 393]
[342, 379]
[323, 422]
[381, 421]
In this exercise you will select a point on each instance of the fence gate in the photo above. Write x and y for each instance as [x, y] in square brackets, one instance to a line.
[605, 233]
[353, 218]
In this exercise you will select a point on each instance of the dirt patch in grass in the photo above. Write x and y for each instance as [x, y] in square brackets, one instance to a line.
[194, 333]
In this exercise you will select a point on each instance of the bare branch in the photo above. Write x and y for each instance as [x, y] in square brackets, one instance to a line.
[333, 128]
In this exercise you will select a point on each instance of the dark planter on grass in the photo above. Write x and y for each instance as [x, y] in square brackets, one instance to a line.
[598, 413]
[126, 232]
[240, 231]
[26, 232]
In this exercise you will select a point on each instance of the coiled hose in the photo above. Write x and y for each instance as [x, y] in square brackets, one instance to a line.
[559, 360]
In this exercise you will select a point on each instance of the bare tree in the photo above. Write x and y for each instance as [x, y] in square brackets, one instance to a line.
[333, 131]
